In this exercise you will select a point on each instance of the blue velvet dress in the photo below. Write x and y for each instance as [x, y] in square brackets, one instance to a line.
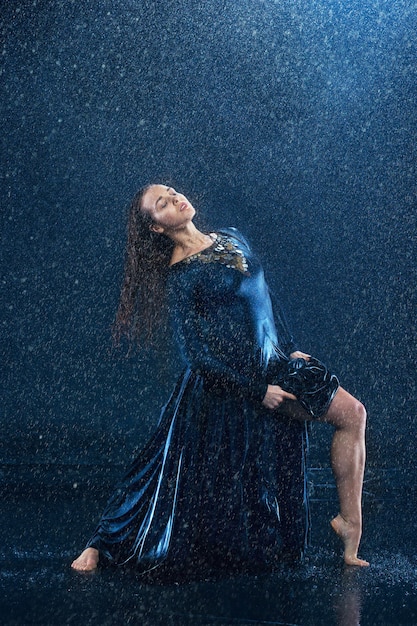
[221, 484]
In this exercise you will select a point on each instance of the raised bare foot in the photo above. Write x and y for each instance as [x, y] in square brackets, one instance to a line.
[350, 534]
[87, 561]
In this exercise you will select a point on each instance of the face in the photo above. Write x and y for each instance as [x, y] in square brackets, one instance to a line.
[168, 209]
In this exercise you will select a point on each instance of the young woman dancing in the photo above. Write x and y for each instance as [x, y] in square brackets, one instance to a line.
[217, 478]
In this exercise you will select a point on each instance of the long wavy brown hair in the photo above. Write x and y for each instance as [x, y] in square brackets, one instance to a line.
[142, 311]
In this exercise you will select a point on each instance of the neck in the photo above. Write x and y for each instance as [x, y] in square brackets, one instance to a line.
[189, 240]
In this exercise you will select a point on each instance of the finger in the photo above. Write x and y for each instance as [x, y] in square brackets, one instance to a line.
[288, 396]
[300, 355]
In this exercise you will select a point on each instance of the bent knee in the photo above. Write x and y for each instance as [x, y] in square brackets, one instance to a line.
[359, 412]
[347, 411]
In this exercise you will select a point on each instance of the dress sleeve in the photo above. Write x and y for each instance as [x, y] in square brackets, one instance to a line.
[285, 338]
[189, 329]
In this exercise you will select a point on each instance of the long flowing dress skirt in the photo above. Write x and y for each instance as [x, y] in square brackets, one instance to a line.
[221, 485]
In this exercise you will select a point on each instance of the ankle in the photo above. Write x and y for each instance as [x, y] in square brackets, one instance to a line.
[349, 520]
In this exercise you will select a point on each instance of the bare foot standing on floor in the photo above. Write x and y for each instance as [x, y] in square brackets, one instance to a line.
[87, 561]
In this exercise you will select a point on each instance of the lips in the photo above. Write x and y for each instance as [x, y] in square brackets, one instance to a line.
[183, 206]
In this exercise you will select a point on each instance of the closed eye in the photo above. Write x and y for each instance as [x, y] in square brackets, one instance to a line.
[171, 192]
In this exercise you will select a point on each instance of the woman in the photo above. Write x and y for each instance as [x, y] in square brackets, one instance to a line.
[207, 483]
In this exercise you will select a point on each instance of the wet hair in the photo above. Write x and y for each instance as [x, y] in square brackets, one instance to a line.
[142, 309]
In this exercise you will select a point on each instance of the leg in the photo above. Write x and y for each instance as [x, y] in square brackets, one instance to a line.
[87, 561]
[348, 416]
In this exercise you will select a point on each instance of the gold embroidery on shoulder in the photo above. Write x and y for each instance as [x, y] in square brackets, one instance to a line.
[225, 251]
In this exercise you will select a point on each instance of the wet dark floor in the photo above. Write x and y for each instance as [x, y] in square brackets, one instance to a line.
[43, 530]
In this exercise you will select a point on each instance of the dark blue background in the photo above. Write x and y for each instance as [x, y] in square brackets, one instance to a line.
[294, 121]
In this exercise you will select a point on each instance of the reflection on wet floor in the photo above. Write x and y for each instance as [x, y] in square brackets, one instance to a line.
[43, 531]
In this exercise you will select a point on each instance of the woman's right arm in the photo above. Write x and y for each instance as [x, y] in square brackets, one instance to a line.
[218, 375]
[275, 396]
